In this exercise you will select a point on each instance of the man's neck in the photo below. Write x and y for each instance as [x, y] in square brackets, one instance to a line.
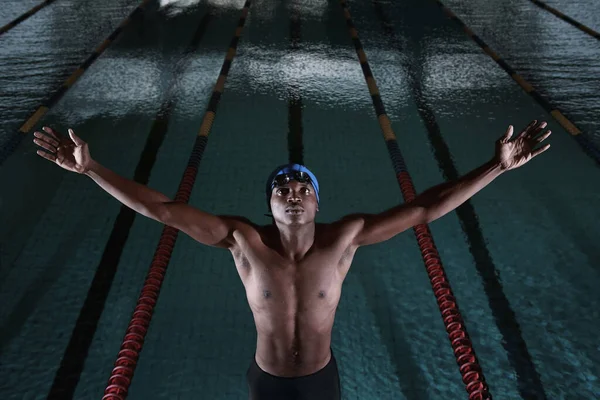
[296, 240]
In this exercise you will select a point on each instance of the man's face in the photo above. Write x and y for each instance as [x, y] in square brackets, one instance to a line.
[294, 203]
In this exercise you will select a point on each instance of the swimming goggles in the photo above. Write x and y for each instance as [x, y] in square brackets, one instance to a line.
[284, 179]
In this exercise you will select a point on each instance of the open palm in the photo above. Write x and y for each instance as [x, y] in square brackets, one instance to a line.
[70, 153]
[514, 153]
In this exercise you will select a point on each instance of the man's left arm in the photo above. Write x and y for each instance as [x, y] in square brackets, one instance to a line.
[441, 199]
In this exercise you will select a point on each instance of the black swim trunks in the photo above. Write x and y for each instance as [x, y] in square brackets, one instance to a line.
[322, 385]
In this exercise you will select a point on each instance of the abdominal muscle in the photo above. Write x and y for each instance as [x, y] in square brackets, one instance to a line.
[291, 347]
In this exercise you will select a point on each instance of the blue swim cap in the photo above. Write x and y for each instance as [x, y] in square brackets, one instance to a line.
[285, 169]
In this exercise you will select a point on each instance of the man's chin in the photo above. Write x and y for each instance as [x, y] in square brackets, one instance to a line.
[296, 219]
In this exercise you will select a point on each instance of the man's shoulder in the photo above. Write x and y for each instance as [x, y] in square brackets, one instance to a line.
[343, 230]
[350, 221]
[244, 225]
[237, 219]
[242, 228]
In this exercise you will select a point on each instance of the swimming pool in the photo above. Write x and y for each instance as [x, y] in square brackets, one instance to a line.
[520, 256]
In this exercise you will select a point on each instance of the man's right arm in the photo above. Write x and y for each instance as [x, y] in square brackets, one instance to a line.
[206, 228]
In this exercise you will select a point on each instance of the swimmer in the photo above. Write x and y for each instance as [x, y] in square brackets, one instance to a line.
[293, 268]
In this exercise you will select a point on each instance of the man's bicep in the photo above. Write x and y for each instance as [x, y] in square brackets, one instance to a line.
[206, 228]
[377, 228]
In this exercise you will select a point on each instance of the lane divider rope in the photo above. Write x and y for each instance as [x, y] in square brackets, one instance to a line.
[586, 144]
[568, 19]
[127, 358]
[24, 16]
[34, 118]
[469, 367]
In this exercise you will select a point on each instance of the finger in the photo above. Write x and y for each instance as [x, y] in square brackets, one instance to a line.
[535, 131]
[542, 138]
[45, 145]
[47, 156]
[508, 134]
[51, 132]
[540, 150]
[46, 138]
[75, 138]
[524, 131]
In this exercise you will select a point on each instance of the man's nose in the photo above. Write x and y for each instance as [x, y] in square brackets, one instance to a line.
[294, 198]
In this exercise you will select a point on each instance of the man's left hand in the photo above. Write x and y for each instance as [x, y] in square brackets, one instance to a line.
[511, 154]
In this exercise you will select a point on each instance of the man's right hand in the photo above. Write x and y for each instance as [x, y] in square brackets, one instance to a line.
[71, 154]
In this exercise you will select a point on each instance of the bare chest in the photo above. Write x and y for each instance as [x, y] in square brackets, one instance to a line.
[309, 288]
